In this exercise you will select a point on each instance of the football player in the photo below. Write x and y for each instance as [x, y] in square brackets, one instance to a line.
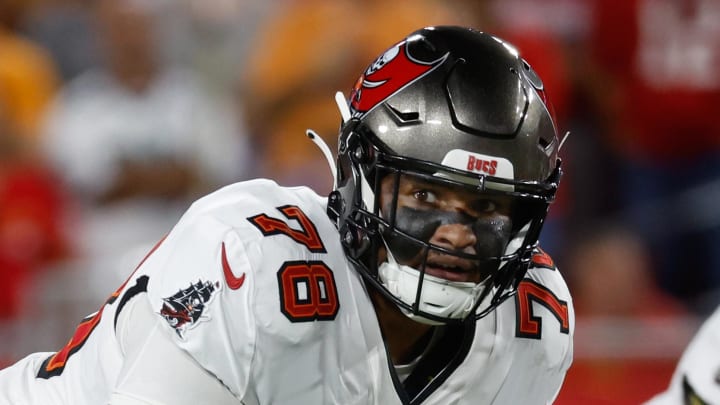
[696, 380]
[419, 279]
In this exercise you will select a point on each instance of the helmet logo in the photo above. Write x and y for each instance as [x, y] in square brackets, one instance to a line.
[475, 164]
[391, 72]
[479, 163]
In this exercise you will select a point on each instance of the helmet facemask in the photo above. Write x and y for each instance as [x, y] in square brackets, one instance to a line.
[390, 243]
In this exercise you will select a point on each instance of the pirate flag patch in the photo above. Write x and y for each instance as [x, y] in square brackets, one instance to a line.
[185, 309]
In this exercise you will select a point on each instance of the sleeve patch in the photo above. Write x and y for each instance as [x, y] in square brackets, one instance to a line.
[185, 309]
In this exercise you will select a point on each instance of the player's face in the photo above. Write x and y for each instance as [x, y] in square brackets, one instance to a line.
[472, 223]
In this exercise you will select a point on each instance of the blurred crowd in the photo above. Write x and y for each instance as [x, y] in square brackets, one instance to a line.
[116, 114]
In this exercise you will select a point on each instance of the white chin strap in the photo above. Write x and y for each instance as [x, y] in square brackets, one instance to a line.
[444, 298]
[441, 297]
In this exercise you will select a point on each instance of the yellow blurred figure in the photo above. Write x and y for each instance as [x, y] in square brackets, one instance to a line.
[28, 79]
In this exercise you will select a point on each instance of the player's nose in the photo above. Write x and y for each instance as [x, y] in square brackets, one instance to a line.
[454, 236]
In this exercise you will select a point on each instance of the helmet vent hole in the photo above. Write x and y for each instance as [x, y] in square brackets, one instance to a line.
[532, 76]
[404, 118]
[544, 143]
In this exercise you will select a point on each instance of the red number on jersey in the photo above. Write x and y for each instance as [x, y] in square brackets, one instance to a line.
[55, 364]
[307, 291]
[307, 235]
[542, 259]
[529, 325]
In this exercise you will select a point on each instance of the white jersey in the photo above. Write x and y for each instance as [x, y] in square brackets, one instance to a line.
[250, 299]
[696, 379]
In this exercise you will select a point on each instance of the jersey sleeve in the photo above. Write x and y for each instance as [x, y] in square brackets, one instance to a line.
[559, 328]
[544, 329]
[201, 291]
[218, 284]
[155, 369]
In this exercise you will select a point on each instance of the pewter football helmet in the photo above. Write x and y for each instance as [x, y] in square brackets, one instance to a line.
[459, 108]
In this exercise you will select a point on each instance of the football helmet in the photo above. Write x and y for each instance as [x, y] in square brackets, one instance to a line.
[460, 109]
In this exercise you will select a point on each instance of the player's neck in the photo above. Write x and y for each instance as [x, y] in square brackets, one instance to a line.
[405, 338]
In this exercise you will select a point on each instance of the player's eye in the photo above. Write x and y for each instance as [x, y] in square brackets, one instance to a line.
[485, 206]
[425, 196]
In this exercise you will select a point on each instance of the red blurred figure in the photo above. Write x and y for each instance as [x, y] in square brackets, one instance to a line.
[663, 56]
[658, 91]
[31, 209]
[31, 206]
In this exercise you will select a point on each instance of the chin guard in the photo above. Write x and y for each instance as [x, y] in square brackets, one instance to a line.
[437, 296]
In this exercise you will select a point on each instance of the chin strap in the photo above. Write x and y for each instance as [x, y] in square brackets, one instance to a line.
[444, 298]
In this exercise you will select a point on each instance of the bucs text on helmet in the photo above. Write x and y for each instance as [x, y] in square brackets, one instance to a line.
[458, 108]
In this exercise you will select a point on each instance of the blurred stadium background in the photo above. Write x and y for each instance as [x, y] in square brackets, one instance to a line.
[116, 114]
